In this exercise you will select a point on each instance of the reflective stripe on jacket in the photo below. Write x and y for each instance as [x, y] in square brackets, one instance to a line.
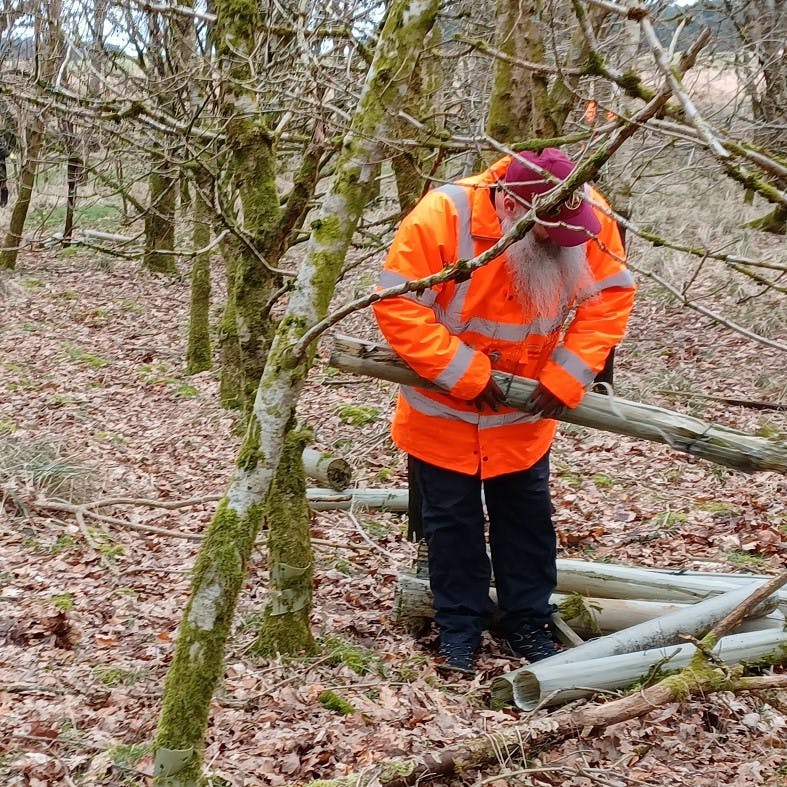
[455, 333]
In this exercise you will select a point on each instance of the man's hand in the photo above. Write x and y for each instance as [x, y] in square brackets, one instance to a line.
[492, 396]
[544, 403]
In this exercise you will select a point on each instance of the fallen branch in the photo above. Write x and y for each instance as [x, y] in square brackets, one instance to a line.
[319, 499]
[542, 684]
[718, 444]
[694, 620]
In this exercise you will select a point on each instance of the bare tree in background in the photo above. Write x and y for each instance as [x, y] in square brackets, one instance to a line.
[49, 52]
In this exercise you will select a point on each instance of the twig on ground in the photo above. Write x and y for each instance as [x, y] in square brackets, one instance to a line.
[743, 610]
[369, 540]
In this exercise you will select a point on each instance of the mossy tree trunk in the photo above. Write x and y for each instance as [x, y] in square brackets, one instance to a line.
[563, 96]
[408, 162]
[519, 107]
[524, 103]
[221, 565]
[74, 170]
[247, 325]
[764, 31]
[27, 177]
[247, 328]
[285, 627]
[171, 53]
[160, 217]
[198, 353]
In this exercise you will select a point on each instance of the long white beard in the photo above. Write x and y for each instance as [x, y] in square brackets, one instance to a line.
[547, 278]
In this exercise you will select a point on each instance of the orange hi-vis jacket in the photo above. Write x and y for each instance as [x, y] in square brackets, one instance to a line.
[454, 334]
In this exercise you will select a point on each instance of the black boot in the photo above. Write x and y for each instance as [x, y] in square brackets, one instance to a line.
[532, 640]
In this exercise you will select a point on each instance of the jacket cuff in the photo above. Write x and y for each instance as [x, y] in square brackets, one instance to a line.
[567, 376]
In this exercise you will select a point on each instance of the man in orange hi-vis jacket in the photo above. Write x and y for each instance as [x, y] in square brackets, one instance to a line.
[550, 308]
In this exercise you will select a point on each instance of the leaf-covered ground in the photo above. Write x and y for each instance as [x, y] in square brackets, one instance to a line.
[95, 405]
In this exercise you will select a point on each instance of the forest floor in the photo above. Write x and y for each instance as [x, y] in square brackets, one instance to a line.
[95, 404]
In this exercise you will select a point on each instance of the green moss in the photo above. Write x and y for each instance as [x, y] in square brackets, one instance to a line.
[75, 353]
[594, 65]
[250, 453]
[62, 601]
[576, 607]
[358, 414]
[285, 627]
[631, 82]
[197, 665]
[117, 676]
[128, 755]
[332, 701]
[396, 769]
[198, 353]
[358, 659]
[745, 559]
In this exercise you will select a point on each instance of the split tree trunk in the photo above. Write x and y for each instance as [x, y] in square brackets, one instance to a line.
[221, 565]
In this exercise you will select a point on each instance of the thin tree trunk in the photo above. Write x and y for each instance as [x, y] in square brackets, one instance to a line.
[247, 327]
[408, 162]
[74, 173]
[198, 353]
[27, 177]
[197, 664]
[160, 218]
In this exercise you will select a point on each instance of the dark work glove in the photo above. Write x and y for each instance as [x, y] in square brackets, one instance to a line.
[544, 403]
[492, 396]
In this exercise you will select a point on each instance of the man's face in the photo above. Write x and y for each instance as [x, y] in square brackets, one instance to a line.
[545, 277]
[510, 210]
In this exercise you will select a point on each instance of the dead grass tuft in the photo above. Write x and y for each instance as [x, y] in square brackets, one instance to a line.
[39, 465]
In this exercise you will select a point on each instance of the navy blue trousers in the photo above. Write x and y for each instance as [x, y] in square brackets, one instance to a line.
[521, 539]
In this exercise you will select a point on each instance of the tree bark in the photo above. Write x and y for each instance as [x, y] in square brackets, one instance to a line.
[285, 626]
[74, 171]
[247, 326]
[519, 104]
[198, 352]
[27, 177]
[158, 256]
